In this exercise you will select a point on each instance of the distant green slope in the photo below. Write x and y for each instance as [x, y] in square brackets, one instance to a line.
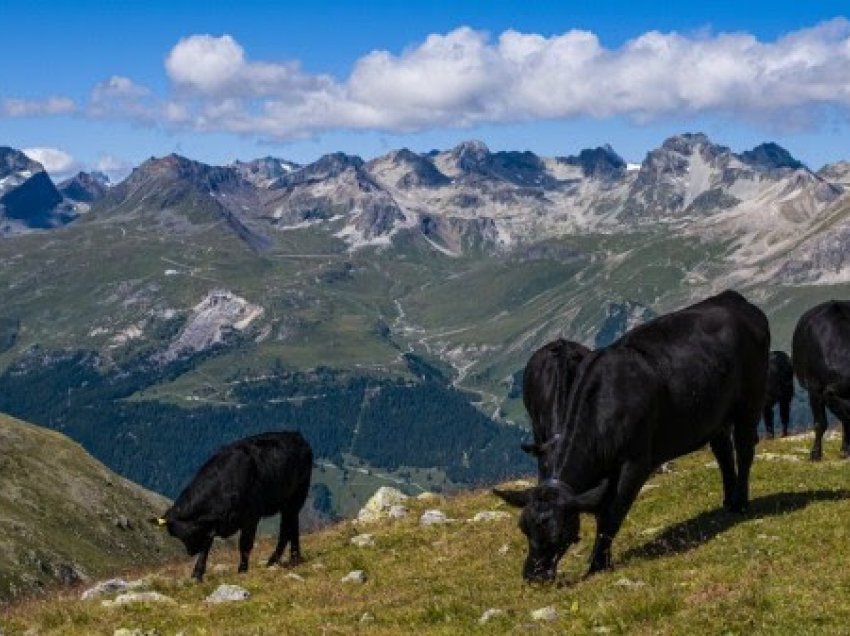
[681, 566]
[65, 516]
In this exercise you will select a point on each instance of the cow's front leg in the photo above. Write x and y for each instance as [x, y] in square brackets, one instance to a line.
[246, 543]
[768, 420]
[785, 415]
[201, 563]
[845, 440]
[609, 519]
[745, 449]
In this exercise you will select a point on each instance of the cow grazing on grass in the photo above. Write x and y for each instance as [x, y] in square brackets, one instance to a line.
[256, 477]
[546, 384]
[780, 389]
[821, 355]
[664, 389]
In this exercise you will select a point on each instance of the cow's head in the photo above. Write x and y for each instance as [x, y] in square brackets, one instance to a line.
[194, 535]
[550, 521]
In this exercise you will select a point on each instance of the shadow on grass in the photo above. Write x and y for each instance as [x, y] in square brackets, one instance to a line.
[687, 535]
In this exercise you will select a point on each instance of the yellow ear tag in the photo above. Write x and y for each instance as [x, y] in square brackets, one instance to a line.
[160, 521]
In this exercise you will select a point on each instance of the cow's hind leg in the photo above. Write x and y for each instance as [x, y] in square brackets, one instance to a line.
[282, 540]
[201, 564]
[744, 436]
[721, 446]
[246, 543]
[845, 441]
[294, 541]
[768, 420]
[785, 415]
[819, 414]
[632, 477]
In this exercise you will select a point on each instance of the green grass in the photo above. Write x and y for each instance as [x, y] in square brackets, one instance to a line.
[682, 566]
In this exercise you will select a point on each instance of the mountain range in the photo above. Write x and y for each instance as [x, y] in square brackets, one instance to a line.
[382, 303]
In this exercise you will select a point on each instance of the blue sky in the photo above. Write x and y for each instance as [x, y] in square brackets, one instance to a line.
[300, 79]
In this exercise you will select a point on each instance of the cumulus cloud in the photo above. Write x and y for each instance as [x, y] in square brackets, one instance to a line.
[57, 162]
[466, 77]
[116, 168]
[15, 107]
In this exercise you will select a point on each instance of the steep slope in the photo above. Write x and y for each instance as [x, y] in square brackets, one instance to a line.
[85, 187]
[64, 517]
[681, 566]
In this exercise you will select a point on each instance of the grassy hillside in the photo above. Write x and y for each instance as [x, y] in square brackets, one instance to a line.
[682, 566]
[65, 516]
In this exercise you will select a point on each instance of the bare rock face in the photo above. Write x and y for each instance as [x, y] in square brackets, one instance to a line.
[220, 313]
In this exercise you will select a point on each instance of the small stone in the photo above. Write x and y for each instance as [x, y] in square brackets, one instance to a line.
[504, 549]
[295, 577]
[433, 517]
[427, 496]
[355, 576]
[363, 541]
[225, 593]
[648, 487]
[318, 566]
[489, 615]
[548, 613]
[490, 515]
[666, 467]
[397, 512]
[648, 532]
[601, 629]
[129, 598]
[111, 586]
[367, 617]
[123, 523]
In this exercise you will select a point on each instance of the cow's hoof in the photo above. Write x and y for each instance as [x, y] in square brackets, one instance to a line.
[816, 456]
[272, 562]
[243, 567]
[738, 507]
[294, 562]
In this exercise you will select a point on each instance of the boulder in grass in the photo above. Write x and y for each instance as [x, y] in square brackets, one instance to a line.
[226, 593]
[355, 576]
[131, 598]
[379, 505]
[433, 518]
[489, 615]
[548, 613]
[490, 515]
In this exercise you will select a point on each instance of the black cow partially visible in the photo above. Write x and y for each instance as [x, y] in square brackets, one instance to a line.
[780, 389]
[821, 354]
[664, 389]
[255, 477]
[546, 384]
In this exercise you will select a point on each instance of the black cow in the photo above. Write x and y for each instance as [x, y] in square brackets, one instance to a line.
[546, 384]
[662, 390]
[821, 355]
[255, 477]
[780, 388]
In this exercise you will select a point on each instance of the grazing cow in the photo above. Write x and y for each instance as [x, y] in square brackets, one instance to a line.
[821, 355]
[546, 384]
[664, 389]
[780, 388]
[255, 477]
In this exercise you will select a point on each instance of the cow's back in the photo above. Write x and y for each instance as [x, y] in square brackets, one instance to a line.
[821, 345]
[256, 475]
[673, 382]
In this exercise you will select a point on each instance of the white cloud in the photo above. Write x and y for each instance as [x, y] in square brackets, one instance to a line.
[57, 162]
[15, 107]
[116, 168]
[465, 77]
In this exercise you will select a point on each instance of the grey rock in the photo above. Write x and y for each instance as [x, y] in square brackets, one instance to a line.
[355, 576]
[130, 598]
[547, 613]
[490, 614]
[226, 593]
[490, 515]
[367, 617]
[433, 517]
[110, 586]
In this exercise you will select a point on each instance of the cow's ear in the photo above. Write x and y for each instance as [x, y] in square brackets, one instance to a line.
[516, 498]
[590, 499]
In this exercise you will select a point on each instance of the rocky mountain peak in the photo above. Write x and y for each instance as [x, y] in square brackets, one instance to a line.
[263, 172]
[600, 163]
[770, 156]
[85, 187]
[12, 161]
